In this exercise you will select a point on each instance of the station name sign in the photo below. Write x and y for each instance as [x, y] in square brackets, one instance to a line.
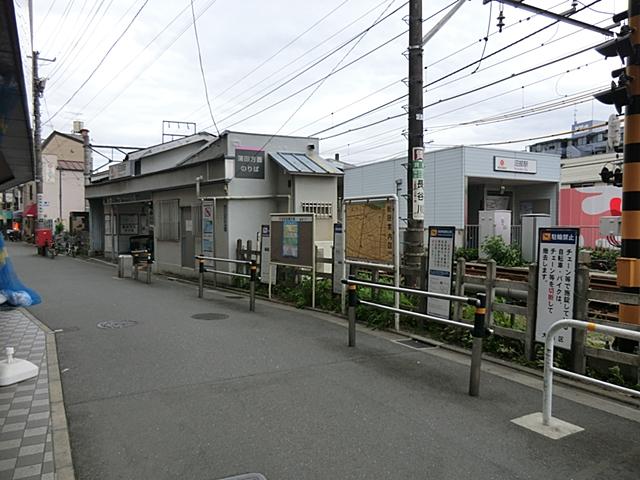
[518, 165]
[249, 163]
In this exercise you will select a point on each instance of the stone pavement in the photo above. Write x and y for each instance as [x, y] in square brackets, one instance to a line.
[26, 447]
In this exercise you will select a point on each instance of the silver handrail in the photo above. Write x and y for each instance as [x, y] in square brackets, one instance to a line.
[549, 369]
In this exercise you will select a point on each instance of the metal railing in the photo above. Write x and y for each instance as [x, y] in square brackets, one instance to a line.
[141, 258]
[478, 330]
[252, 277]
[549, 369]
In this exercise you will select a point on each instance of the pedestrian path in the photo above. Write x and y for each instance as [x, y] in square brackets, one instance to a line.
[26, 450]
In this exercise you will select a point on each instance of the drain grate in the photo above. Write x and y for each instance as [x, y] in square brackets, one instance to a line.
[209, 316]
[412, 343]
[234, 297]
[116, 325]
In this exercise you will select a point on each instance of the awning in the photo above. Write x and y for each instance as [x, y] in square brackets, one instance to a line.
[31, 210]
[16, 152]
[301, 163]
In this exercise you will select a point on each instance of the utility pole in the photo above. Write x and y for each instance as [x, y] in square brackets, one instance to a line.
[628, 263]
[414, 237]
[38, 89]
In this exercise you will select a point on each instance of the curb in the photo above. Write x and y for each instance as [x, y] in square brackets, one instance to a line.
[63, 463]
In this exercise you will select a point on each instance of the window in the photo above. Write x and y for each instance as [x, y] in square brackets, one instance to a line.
[168, 220]
[322, 209]
[137, 167]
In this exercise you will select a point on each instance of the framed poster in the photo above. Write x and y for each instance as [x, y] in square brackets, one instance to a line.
[440, 269]
[290, 238]
[338, 257]
[557, 266]
[207, 228]
[129, 224]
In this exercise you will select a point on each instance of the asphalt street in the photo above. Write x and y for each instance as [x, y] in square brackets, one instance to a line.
[278, 392]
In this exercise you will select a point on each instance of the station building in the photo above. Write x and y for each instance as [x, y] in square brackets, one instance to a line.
[152, 199]
[460, 182]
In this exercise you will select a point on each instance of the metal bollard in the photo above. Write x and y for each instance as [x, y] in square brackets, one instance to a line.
[149, 264]
[351, 312]
[200, 278]
[476, 351]
[252, 286]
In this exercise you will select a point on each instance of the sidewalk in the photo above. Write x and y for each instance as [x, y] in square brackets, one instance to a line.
[26, 443]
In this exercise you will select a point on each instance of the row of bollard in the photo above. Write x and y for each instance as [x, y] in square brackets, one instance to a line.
[478, 331]
[253, 278]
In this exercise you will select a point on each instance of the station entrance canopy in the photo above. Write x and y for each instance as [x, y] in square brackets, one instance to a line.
[16, 141]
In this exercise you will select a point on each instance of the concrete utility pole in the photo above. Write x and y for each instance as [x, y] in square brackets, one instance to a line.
[414, 237]
[88, 162]
[38, 89]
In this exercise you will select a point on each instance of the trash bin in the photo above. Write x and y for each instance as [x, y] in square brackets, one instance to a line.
[125, 265]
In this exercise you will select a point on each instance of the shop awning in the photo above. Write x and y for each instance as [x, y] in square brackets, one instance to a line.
[31, 210]
[16, 152]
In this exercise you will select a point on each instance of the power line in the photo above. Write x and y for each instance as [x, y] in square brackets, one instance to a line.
[101, 61]
[140, 53]
[482, 87]
[46, 15]
[60, 22]
[317, 63]
[204, 80]
[567, 132]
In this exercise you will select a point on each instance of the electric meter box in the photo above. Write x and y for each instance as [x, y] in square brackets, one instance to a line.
[610, 226]
[531, 223]
[494, 223]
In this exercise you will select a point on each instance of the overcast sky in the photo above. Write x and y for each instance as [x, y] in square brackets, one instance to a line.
[252, 47]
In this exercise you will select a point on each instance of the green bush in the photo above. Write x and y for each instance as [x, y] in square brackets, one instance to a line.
[469, 254]
[504, 255]
[604, 258]
[59, 228]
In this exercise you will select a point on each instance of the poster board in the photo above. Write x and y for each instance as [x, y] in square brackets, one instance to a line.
[338, 258]
[440, 269]
[557, 267]
[370, 236]
[128, 224]
[292, 239]
[208, 229]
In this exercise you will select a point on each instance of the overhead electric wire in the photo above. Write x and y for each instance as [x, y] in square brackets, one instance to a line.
[477, 89]
[401, 97]
[101, 61]
[522, 140]
[486, 37]
[46, 15]
[204, 79]
[67, 57]
[125, 67]
[301, 69]
[59, 23]
[281, 49]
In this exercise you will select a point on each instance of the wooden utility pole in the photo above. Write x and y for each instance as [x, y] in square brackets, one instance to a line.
[414, 237]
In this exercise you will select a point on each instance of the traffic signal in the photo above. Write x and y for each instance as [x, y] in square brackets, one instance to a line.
[620, 46]
[617, 95]
[609, 177]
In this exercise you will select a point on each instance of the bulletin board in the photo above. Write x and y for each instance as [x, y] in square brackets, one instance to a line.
[370, 235]
[292, 240]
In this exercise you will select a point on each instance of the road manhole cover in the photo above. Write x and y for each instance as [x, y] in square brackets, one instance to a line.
[234, 297]
[209, 316]
[116, 325]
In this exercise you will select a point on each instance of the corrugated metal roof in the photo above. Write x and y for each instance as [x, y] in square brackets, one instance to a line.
[71, 165]
[303, 163]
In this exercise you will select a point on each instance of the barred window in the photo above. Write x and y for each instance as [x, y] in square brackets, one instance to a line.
[321, 209]
[168, 220]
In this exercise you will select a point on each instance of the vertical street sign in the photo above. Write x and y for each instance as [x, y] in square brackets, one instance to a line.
[265, 253]
[418, 183]
[207, 229]
[338, 257]
[557, 266]
[440, 269]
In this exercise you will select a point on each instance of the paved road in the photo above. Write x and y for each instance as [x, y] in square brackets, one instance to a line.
[278, 392]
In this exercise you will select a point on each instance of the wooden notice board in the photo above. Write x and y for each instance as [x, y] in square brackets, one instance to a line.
[370, 232]
[292, 239]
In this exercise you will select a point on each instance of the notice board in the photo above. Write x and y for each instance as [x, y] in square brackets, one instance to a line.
[440, 268]
[369, 231]
[557, 266]
[207, 229]
[292, 239]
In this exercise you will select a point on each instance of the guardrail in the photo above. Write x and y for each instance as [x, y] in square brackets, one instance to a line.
[142, 258]
[478, 329]
[252, 277]
[549, 369]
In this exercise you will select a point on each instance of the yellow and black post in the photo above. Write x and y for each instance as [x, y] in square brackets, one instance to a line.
[252, 285]
[629, 261]
[351, 312]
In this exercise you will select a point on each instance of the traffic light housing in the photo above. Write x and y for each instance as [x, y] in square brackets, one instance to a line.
[620, 46]
[617, 95]
[611, 177]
